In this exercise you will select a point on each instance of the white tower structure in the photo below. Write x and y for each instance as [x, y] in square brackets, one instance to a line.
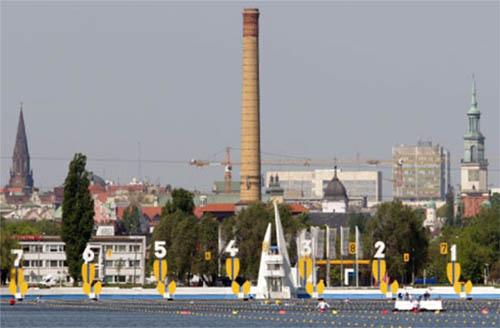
[474, 165]
[275, 274]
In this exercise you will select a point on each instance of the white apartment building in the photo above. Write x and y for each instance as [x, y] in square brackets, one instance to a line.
[118, 259]
[311, 184]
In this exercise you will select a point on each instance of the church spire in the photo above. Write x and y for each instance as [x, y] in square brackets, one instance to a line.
[21, 145]
[473, 110]
[21, 174]
[473, 102]
[474, 165]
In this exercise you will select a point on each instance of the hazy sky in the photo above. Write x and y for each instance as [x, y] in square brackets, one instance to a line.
[337, 79]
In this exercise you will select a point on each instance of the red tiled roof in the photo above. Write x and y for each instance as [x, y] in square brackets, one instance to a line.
[95, 188]
[298, 208]
[214, 208]
[115, 188]
[151, 211]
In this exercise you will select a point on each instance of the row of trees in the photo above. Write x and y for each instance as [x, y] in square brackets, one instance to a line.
[401, 228]
[189, 239]
[478, 245]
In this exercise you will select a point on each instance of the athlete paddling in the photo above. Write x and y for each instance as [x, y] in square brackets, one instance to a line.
[322, 306]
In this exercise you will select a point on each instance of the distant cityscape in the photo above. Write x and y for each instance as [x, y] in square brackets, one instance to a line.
[420, 178]
[420, 174]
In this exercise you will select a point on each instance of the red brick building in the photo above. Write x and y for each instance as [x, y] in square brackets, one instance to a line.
[472, 202]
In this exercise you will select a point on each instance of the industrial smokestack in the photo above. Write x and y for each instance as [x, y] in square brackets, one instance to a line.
[250, 117]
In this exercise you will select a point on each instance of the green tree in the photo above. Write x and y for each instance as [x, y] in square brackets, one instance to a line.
[78, 214]
[207, 241]
[495, 202]
[436, 265]
[441, 211]
[178, 227]
[181, 200]
[359, 220]
[132, 220]
[450, 206]
[28, 227]
[401, 229]
[478, 243]
[7, 243]
[182, 252]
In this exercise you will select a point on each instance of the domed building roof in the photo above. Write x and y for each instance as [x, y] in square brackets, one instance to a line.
[97, 180]
[335, 190]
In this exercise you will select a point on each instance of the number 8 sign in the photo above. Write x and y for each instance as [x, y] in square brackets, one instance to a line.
[352, 248]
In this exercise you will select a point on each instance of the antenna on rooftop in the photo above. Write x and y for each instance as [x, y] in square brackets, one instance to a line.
[139, 169]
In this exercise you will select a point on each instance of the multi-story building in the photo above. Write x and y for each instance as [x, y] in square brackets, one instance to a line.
[421, 171]
[312, 184]
[118, 259]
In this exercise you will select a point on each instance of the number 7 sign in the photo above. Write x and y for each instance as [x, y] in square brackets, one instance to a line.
[443, 248]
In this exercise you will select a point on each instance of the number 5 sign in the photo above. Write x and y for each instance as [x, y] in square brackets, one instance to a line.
[160, 250]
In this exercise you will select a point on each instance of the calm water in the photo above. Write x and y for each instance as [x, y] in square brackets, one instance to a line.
[152, 313]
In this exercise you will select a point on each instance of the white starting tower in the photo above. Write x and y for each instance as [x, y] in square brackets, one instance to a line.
[275, 274]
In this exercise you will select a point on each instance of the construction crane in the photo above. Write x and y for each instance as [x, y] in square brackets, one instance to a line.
[304, 162]
[228, 168]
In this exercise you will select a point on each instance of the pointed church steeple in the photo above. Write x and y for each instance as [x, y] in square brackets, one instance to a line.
[21, 146]
[473, 138]
[474, 165]
[473, 103]
[21, 176]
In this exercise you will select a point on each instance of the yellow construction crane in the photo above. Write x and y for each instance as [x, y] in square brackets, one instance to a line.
[304, 162]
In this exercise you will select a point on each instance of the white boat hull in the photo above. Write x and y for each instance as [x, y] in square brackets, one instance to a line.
[427, 305]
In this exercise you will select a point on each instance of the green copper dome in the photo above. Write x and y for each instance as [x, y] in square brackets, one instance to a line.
[473, 110]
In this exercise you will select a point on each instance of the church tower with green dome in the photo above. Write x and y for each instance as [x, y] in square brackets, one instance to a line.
[474, 168]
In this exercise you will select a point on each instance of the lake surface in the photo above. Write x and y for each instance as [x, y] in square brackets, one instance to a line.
[297, 313]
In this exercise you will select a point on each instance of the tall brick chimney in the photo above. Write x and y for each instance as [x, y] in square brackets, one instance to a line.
[250, 107]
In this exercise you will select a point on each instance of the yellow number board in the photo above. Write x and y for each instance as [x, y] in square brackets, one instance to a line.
[406, 257]
[352, 248]
[443, 248]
